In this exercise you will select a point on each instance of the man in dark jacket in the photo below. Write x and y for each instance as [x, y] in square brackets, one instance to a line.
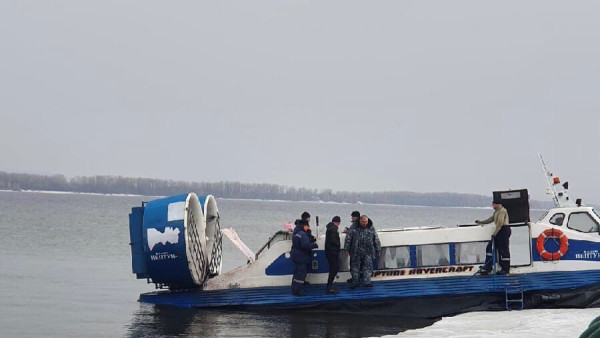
[363, 245]
[301, 248]
[332, 251]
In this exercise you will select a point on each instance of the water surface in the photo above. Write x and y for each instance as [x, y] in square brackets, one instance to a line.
[66, 269]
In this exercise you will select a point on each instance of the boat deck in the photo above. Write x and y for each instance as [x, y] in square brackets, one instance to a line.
[383, 291]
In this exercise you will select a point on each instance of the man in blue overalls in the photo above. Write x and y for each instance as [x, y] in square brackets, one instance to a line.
[301, 249]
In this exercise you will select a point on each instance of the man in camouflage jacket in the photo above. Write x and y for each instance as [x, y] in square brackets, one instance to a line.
[362, 243]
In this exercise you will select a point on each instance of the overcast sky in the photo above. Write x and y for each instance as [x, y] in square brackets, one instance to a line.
[425, 96]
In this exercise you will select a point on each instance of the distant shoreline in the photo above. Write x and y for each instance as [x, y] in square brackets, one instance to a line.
[252, 199]
[132, 186]
[51, 192]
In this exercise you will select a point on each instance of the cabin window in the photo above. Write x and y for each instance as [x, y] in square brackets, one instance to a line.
[470, 253]
[582, 221]
[433, 254]
[557, 219]
[393, 257]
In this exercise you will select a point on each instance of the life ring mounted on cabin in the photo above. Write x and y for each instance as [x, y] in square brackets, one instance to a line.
[552, 233]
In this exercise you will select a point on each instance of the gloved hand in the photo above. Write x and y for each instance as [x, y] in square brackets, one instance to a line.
[313, 239]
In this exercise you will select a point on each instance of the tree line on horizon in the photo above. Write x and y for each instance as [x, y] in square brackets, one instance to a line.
[105, 184]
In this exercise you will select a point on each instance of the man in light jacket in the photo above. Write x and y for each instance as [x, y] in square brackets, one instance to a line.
[500, 237]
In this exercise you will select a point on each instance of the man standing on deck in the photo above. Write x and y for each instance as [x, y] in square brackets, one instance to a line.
[500, 238]
[306, 216]
[363, 245]
[332, 251]
[300, 254]
[355, 215]
[354, 223]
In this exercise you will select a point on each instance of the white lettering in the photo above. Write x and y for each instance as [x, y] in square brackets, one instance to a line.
[162, 256]
[592, 254]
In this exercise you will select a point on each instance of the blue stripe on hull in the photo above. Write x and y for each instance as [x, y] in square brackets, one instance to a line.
[381, 292]
[578, 250]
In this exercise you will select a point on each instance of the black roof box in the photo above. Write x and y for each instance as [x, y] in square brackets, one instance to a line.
[516, 203]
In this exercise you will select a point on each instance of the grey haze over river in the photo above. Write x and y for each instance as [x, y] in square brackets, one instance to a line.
[66, 269]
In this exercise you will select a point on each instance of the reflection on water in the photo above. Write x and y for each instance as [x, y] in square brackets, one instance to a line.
[161, 321]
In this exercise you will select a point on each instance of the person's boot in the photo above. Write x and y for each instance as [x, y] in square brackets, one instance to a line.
[331, 290]
[297, 290]
[483, 270]
[505, 268]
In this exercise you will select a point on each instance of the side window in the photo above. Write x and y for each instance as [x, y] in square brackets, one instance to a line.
[582, 221]
[470, 253]
[393, 257]
[557, 219]
[433, 255]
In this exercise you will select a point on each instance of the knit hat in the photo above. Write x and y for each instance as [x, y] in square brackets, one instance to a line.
[305, 215]
[302, 222]
[336, 219]
[497, 201]
[355, 214]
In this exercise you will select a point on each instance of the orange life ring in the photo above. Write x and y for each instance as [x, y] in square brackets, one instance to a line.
[552, 233]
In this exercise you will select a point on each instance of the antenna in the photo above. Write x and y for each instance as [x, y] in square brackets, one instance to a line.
[560, 198]
[548, 177]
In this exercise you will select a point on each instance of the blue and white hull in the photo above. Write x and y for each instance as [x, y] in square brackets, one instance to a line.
[425, 298]
[573, 281]
[422, 272]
